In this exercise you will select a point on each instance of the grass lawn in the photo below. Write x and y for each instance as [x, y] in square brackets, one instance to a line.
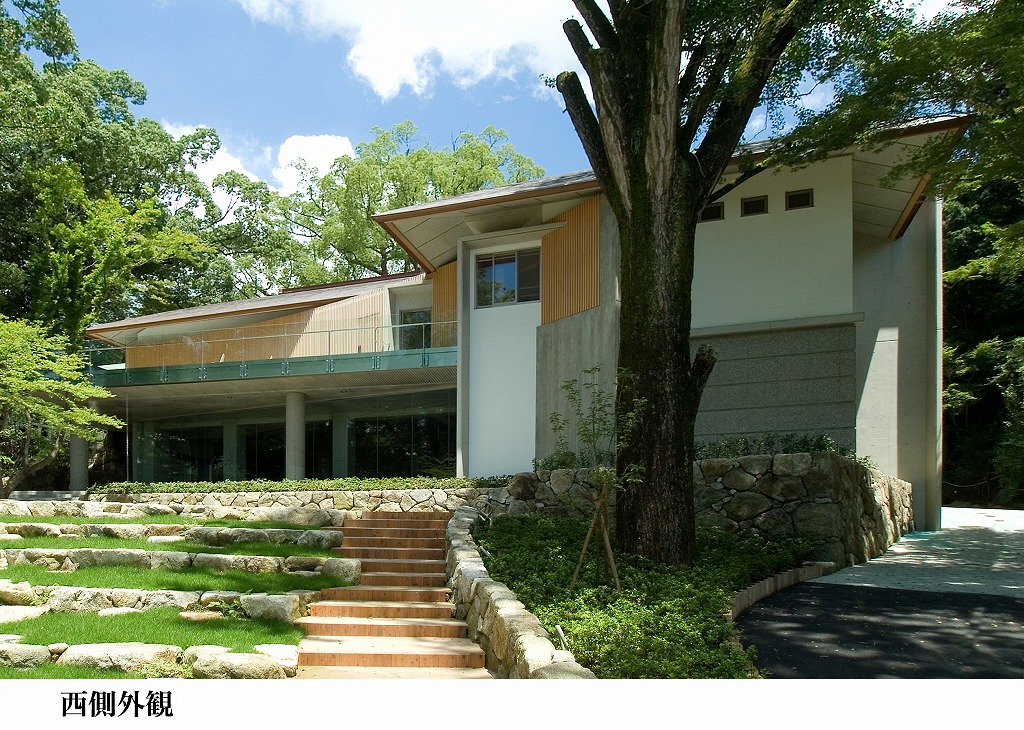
[666, 622]
[156, 626]
[154, 520]
[123, 576]
[185, 546]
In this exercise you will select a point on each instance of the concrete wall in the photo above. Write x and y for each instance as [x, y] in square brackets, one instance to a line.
[785, 263]
[899, 369]
[500, 383]
[781, 381]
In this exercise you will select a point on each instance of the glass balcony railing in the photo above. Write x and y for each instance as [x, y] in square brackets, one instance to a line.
[273, 351]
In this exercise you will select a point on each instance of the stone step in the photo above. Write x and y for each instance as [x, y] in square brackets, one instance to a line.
[425, 580]
[381, 609]
[390, 553]
[404, 566]
[401, 524]
[386, 651]
[385, 593]
[385, 540]
[404, 532]
[407, 516]
[368, 626]
[392, 673]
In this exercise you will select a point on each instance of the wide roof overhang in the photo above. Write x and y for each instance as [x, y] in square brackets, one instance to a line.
[430, 232]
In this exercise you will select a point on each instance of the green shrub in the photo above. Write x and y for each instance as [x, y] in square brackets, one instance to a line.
[666, 622]
[346, 484]
[775, 443]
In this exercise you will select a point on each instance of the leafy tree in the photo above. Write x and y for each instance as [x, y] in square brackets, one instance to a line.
[983, 333]
[92, 201]
[325, 231]
[674, 85]
[967, 61]
[44, 398]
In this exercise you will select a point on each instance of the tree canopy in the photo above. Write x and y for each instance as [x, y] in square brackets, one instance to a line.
[674, 86]
[325, 231]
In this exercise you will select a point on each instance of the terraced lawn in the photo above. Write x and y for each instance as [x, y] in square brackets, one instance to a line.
[271, 549]
[193, 579]
[156, 626]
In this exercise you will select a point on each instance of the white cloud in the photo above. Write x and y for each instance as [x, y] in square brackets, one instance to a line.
[318, 151]
[409, 43]
[927, 9]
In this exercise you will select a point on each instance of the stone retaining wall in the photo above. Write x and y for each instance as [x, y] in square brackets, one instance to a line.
[853, 513]
[71, 559]
[72, 599]
[515, 644]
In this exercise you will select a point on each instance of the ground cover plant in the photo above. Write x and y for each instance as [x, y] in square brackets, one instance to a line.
[270, 549]
[192, 579]
[666, 622]
[64, 671]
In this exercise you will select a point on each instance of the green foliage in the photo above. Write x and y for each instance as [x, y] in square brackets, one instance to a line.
[666, 622]
[43, 399]
[592, 420]
[65, 671]
[121, 576]
[982, 300]
[325, 231]
[346, 484]
[773, 443]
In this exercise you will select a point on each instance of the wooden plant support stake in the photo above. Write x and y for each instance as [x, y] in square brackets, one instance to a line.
[600, 518]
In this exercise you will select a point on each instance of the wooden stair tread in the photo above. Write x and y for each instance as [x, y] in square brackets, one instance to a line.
[393, 673]
[388, 645]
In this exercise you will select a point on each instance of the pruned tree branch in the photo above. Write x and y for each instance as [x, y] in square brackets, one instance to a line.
[726, 189]
[600, 26]
[703, 364]
[579, 42]
[588, 129]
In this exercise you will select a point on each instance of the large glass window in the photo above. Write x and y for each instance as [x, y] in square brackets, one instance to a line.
[413, 329]
[507, 278]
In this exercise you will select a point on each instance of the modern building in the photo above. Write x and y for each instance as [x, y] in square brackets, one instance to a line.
[819, 288]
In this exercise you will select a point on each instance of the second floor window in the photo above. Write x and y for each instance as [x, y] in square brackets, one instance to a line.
[507, 278]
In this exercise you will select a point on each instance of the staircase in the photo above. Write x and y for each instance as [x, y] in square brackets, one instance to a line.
[398, 621]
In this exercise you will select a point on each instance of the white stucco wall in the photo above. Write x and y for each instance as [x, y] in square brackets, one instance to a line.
[808, 251]
[502, 385]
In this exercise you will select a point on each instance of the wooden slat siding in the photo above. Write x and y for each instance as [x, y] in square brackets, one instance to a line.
[570, 263]
[298, 334]
[445, 305]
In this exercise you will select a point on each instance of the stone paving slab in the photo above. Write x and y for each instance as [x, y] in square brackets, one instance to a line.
[977, 551]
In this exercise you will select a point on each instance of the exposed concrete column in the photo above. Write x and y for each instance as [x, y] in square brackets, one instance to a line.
[78, 454]
[230, 450]
[339, 445]
[295, 436]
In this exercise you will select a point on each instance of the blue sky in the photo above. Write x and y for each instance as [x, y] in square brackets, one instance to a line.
[264, 75]
[281, 79]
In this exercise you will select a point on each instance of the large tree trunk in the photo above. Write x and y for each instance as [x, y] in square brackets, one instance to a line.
[660, 388]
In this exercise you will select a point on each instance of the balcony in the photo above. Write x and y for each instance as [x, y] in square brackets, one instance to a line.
[273, 352]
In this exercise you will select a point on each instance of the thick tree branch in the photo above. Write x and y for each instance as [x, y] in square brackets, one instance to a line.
[599, 24]
[663, 99]
[693, 64]
[700, 371]
[579, 42]
[701, 102]
[726, 189]
[744, 89]
[589, 131]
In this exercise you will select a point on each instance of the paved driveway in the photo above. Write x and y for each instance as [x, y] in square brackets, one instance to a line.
[947, 604]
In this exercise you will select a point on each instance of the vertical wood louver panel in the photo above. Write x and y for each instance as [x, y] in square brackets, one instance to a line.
[570, 263]
[444, 306]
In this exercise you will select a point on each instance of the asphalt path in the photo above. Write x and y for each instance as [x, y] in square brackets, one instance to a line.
[947, 604]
